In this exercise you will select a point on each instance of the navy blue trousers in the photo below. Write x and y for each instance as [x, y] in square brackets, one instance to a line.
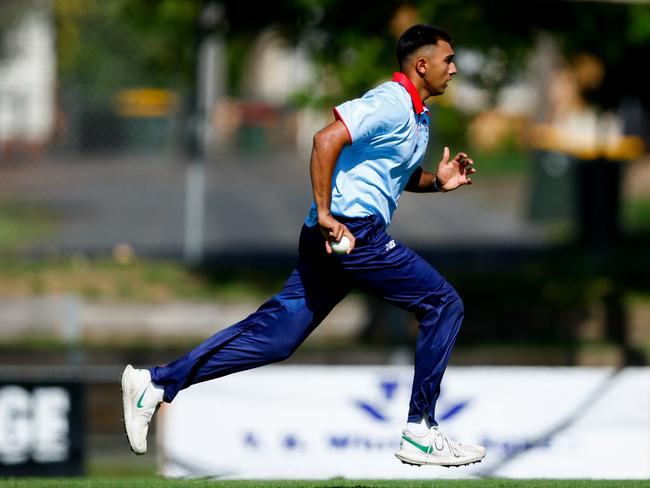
[378, 265]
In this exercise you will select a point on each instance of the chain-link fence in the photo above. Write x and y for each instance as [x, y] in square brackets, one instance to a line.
[90, 141]
[98, 112]
[97, 129]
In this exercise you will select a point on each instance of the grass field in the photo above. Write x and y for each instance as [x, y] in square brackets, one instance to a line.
[164, 483]
[23, 224]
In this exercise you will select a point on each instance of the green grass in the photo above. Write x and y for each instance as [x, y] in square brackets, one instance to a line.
[22, 225]
[159, 482]
[129, 280]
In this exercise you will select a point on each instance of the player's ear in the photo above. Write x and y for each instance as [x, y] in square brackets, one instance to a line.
[421, 66]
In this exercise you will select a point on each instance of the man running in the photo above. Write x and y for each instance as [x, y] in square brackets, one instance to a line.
[360, 164]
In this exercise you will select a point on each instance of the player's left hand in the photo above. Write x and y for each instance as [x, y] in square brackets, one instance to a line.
[454, 173]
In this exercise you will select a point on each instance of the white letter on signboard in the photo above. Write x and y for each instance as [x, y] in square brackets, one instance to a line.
[51, 407]
[15, 435]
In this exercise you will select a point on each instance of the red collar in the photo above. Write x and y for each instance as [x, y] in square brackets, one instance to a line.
[410, 88]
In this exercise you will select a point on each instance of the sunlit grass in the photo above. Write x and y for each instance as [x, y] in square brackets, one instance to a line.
[22, 225]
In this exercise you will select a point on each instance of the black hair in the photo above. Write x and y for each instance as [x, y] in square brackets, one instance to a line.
[417, 36]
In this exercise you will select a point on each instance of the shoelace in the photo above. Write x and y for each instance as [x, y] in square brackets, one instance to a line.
[451, 444]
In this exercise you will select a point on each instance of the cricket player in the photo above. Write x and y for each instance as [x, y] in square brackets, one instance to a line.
[360, 165]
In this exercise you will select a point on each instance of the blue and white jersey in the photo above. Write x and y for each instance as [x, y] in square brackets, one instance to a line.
[389, 129]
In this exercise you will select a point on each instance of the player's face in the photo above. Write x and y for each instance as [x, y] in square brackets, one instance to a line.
[437, 62]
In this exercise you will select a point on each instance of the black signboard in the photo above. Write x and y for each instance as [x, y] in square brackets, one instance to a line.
[41, 428]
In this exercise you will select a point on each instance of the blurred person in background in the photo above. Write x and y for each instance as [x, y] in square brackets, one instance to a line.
[360, 165]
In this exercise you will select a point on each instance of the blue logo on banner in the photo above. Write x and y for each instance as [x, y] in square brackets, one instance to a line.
[372, 410]
[250, 440]
[291, 442]
[452, 410]
[378, 410]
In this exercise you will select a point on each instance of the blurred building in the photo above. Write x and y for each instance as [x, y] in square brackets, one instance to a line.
[28, 85]
[265, 115]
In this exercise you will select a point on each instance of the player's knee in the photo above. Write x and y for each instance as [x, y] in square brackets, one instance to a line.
[446, 301]
[281, 350]
[454, 303]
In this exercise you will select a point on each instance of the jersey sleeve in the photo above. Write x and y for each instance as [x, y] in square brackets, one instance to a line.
[369, 115]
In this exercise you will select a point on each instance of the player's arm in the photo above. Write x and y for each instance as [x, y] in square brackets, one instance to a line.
[328, 144]
[422, 182]
[449, 175]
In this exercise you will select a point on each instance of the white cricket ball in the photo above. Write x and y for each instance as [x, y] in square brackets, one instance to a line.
[342, 246]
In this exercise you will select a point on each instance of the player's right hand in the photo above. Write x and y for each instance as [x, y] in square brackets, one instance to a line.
[332, 231]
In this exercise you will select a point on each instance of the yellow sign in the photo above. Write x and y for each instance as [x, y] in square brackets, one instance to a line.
[551, 138]
[145, 102]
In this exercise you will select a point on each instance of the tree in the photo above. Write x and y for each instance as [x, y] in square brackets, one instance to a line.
[112, 44]
[352, 42]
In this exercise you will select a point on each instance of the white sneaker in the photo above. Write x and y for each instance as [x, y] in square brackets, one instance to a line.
[437, 449]
[141, 400]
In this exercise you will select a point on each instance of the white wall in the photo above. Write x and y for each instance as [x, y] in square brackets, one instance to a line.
[27, 80]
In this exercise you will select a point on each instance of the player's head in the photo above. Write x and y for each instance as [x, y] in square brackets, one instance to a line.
[416, 37]
[426, 51]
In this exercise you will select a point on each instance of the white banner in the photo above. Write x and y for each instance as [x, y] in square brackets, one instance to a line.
[314, 422]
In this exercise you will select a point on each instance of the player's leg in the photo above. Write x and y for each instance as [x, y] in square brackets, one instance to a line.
[440, 314]
[387, 269]
[269, 335]
[409, 282]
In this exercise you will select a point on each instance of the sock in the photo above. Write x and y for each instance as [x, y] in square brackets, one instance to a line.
[420, 428]
[159, 392]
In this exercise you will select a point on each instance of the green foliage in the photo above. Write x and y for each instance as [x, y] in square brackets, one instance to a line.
[504, 162]
[108, 45]
[236, 54]
[118, 42]
[170, 30]
[636, 215]
[450, 125]
[638, 29]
